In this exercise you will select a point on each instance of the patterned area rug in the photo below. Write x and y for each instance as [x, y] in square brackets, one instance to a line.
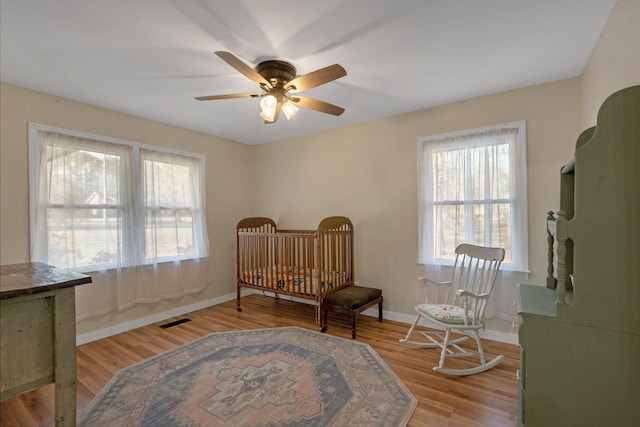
[268, 377]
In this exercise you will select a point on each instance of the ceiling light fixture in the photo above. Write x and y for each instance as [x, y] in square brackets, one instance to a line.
[289, 109]
[269, 105]
[272, 102]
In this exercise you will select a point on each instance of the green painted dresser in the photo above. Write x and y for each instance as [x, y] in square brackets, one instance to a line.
[580, 334]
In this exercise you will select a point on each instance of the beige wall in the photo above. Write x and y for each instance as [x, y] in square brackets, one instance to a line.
[368, 172]
[229, 183]
[615, 61]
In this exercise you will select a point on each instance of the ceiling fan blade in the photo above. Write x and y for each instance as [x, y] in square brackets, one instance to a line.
[228, 96]
[317, 105]
[316, 78]
[243, 68]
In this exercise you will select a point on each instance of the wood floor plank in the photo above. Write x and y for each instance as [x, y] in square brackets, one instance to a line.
[486, 399]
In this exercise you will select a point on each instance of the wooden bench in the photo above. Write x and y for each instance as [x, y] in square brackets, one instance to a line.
[351, 300]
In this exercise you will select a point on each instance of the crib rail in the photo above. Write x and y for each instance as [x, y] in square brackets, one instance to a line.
[278, 261]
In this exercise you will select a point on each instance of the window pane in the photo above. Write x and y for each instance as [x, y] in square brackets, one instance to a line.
[449, 230]
[479, 224]
[169, 233]
[477, 172]
[501, 188]
[84, 237]
[500, 228]
[448, 183]
[83, 177]
[168, 184]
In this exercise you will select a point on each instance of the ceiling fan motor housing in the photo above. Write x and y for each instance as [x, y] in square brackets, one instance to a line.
[278, 73]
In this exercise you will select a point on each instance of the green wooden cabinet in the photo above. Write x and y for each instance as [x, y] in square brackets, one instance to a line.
[38, 333]
[580, 342]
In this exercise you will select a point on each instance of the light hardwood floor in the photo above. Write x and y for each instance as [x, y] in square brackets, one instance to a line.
[486, 399]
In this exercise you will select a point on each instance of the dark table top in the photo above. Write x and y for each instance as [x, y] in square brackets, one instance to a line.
[35, 277]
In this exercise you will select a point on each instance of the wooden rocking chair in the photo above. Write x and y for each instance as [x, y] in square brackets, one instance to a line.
[459, 306]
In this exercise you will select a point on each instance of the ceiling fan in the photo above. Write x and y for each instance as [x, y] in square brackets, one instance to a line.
[279, 82]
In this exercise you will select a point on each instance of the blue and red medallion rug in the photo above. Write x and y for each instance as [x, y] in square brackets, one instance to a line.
[267, 377]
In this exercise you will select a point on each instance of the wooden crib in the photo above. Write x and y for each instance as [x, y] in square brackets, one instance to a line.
[308, 264]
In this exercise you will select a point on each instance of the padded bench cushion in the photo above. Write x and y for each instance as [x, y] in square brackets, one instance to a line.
[352, 297]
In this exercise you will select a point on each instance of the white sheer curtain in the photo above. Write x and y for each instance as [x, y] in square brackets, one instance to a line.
[173, 208]
[173, 195]
[472, 189]
[131, 217]
[82, 208]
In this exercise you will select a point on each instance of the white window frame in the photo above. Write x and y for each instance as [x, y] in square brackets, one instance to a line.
[519, 215]
[35, 131]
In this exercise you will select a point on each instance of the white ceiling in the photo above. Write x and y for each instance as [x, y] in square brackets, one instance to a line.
[150, 58]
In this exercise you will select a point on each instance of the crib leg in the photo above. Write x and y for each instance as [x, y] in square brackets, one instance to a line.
[324, 320]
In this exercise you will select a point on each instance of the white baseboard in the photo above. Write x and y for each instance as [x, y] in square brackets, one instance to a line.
[408, 318]
[144, 321]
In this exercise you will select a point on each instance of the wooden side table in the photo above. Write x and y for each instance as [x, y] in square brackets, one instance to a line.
[38, 333]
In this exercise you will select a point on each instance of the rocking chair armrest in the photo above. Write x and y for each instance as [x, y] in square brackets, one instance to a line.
[427, 281]
[463, 293]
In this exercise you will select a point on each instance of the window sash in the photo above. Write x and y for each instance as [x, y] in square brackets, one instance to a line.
[166, 195]
[84, 239]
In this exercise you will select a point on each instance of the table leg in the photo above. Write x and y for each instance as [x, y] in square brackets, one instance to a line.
[65, 356]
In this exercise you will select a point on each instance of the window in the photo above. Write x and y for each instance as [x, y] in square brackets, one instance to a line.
[472, 188]
[99, 203]
[170, 204]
